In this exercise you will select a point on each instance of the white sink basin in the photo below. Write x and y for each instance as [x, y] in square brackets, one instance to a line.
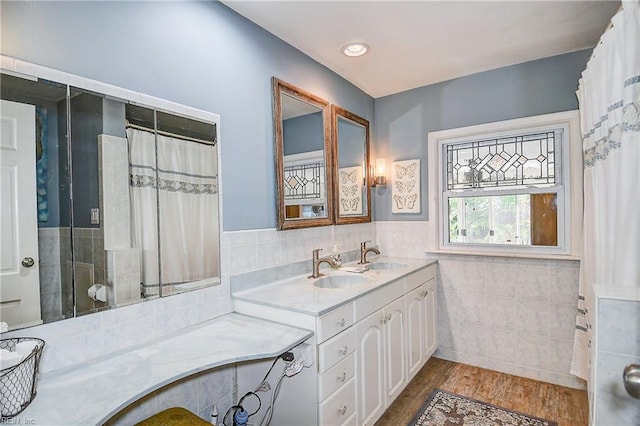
[340, 281]
[386, 265]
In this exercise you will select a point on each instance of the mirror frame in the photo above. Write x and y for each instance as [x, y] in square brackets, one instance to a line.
[336, 112]
[281, 88]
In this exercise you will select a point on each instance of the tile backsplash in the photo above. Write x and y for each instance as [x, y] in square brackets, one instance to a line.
[86, 337]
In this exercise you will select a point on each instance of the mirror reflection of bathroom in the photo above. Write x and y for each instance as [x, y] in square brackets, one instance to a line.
[79, 232]
[174, 201]
[304, 168]
[352, 172]
[36, 219]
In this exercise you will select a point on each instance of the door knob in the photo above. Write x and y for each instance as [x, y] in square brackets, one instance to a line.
[28, 262]
[631, 377]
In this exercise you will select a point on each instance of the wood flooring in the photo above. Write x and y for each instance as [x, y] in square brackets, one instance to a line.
[568, 407]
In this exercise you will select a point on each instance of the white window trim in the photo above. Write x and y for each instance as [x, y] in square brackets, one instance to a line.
[573, 187]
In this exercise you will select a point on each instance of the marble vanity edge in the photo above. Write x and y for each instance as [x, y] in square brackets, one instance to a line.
[45, 405]
[414, 264]
[266, 276]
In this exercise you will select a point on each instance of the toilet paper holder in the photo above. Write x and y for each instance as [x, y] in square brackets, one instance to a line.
[97, 293]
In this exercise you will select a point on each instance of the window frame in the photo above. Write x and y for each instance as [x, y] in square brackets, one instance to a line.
[569, 189]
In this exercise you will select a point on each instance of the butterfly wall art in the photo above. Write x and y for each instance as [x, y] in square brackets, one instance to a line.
[405, 186]
[350, 190]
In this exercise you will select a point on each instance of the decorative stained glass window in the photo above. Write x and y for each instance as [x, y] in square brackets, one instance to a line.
[504, 190]
[303, 182]
[513, 161]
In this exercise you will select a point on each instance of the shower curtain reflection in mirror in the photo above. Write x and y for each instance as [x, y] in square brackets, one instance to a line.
[174, 211]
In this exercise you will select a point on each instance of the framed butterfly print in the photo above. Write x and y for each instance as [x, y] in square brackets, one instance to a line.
[405, 186]
[350, 191]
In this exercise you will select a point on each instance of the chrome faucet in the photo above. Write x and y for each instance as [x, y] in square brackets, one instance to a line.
[335, 261]
[364, 250]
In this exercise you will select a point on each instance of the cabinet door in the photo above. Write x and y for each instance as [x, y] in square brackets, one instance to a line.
[414, 305]
[395, 350]
[431, 341]
[370, 368]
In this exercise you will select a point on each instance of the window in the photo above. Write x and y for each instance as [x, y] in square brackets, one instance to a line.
[507, 186]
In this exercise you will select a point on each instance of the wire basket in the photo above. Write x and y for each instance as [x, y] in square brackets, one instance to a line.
[18, 383]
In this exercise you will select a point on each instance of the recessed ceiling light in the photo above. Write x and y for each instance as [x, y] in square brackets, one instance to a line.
[355, 49]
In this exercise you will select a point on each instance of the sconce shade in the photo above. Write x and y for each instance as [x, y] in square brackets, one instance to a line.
[379, 173]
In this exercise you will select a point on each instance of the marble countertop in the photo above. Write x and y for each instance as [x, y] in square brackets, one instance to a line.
[298, 293]
[93, 392]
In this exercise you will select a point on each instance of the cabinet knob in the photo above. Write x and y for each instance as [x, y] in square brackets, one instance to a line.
[341, 322]
[388, 318]
[383, 320]
[344, 350]
[425, 293]
[343, 376]
[343, 410]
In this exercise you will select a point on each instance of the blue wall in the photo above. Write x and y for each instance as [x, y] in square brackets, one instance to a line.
[204, 55]
[200, 54]
[351, 147]
[86, 125]
[403, 120]
[303, 134]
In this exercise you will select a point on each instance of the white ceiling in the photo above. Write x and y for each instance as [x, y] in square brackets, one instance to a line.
[416, 43]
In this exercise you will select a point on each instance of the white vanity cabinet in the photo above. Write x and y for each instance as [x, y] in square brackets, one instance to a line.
[367, 349]
[336, 394]
[420, 305]
[380, 360]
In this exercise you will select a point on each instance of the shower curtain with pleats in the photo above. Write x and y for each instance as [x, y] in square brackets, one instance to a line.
[609, 99]
[174, 209]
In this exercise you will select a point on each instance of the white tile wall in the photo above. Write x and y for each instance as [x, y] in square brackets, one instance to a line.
[113, 172]
[50, 274]
[617, 345]
[512, 304]
[197, 393]
[507, 314]
[123, 275]
[81, 339]
[490, 313]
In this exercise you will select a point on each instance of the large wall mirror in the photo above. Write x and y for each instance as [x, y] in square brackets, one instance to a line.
[351, 167]
[105, 202]
[303, 157]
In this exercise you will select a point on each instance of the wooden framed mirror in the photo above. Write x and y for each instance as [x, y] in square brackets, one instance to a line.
[351, 168]
[302, 130]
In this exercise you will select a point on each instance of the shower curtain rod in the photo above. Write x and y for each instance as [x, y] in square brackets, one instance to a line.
[171, 135]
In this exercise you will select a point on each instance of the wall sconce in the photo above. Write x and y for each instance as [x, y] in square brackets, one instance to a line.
[379, 178]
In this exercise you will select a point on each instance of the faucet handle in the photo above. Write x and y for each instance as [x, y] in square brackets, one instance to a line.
[337, 258]
[316, 253]
[363, 245]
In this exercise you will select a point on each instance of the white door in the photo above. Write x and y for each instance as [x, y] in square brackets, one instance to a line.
[415, 330]
[19, 281]
[370, 368]
[395, 350]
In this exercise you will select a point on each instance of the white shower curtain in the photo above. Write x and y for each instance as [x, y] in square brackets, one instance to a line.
[183, 198]
[609, 98]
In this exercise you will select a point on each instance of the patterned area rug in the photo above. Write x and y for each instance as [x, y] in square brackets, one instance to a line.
[447, 409]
